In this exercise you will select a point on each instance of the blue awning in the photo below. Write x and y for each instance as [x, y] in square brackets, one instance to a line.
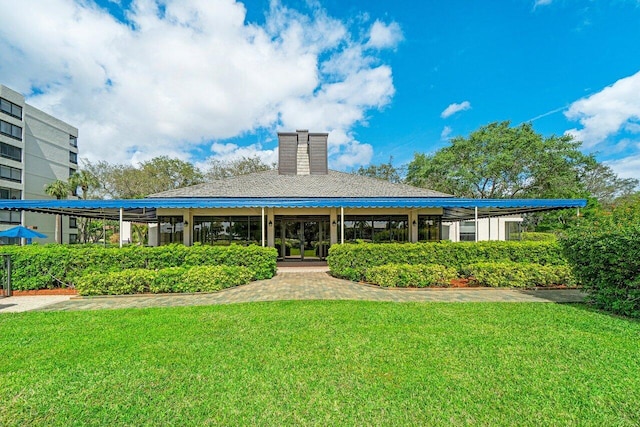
[145, 209]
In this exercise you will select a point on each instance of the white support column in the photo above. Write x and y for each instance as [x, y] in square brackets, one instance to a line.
[262, 228]
[413, 226]
[476, 222]
[120, 229]
[333, 219]
[271, 234]
[342, 225]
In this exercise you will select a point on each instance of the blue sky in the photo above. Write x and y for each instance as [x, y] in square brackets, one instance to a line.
[199, 79]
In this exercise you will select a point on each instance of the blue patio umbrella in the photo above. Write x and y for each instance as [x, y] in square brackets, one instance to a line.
[22, 232]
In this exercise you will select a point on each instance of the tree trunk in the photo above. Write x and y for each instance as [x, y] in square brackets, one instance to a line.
[58, 233]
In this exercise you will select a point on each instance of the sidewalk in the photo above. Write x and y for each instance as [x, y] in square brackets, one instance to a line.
[293, 285]
[28, 303]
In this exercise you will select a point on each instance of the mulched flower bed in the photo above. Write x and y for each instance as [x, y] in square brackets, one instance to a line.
[39, 292]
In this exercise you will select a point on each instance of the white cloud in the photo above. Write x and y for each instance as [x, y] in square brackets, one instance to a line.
[446, 131]
[628, 167]
[542, 3]
[384, 36]
[347, 152]
[606, 113]
[173, 80]
[454, 108]
[229, 151]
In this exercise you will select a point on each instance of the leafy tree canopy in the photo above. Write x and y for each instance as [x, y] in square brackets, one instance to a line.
[153, 176]
[85, 181]
[219, 169]
[384, 171]
[501, 161]
[58, 189]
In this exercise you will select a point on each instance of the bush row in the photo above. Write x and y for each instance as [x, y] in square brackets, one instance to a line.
[51, 266]
[607, 263]
[518, 275]
[166, 280]
[406, 275]
[351, 261]
[533, 236]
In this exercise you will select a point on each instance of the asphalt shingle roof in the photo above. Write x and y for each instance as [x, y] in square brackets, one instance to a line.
[271, 184]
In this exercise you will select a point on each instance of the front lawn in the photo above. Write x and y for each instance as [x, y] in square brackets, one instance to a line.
[321, 363]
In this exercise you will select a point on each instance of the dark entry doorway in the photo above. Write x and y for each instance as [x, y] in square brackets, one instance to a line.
[302, 237]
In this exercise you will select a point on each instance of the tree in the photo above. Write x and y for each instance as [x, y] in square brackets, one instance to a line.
[163, 173]
[219, 169]
[85, 181]
[384, 171]
[60, 190]
[601, 182]
[500, 161]
[153, 176]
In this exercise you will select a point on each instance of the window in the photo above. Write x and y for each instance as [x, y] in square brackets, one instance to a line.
[73, 222]
[10, 174]
[225, 230]
[512, 230]
[9, 241]
[445, 235]
[10, 217]
[10, 108]
[10, 193]
[73, 157]
[468, 231]
[73, 141]
[10, 152]
[71, 172]
[73, 238]
[10, 130]
[376, 228]
[171, 229]
[428, 228]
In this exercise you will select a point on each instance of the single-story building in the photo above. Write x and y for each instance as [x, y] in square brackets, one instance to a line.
[303, 207]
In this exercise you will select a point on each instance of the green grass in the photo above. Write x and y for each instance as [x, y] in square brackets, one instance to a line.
[321, 363]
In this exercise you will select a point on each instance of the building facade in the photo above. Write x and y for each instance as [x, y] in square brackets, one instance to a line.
[35, 150]
[303, 208]
[307, 231]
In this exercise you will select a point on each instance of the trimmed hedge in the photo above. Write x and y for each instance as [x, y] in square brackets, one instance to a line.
[406, 275]
[166, 280]
[518, 275]
[51, 266]
[607, 263]
[533, 236]
[351, 261]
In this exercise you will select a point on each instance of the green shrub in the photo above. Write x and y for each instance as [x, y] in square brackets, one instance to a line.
[173, 279]
[531, 236]
[124, 282]
[607, 263]
[351, 261]
[53, 266]
[262, 261]
[167, 280]
[518, 275]
[215, 278]
[406, 275]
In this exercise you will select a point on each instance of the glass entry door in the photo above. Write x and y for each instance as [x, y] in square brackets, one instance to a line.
[302, 238]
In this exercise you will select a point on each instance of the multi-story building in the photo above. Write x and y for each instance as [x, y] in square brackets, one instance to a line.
[35, 150]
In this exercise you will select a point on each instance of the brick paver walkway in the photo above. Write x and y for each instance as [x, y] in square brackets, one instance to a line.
[318, 285]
